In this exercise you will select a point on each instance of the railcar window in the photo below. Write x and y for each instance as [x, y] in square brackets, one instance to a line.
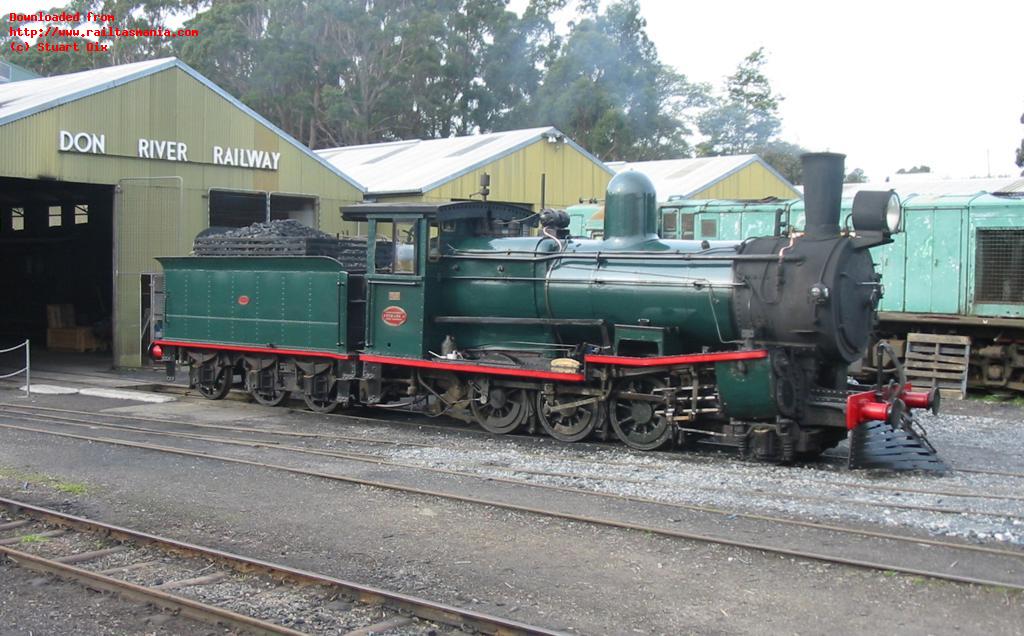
[17, 219]
[709, 228]
[81, 214]
[999, 266]
[55, 212]
[669, 224]
[687, 226]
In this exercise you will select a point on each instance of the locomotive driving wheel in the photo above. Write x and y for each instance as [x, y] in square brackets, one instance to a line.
[269, 397]
[507, 409]
[566, 419]
[634, 413]
[214, 383]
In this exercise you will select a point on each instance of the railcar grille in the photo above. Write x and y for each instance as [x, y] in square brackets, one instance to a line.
[999, 267]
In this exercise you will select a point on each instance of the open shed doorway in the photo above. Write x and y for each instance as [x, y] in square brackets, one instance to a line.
[56, 242]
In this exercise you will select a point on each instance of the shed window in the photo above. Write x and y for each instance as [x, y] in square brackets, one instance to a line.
[81, 214]
[17, 219]
[999, 266]
[55, 212]
[296, 207]
[709, 228]
[237, 209]
[403, 243]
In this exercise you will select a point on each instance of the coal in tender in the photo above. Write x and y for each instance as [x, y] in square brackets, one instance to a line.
[285, 238]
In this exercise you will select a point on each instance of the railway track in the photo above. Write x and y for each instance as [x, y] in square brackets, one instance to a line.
[421, 421]
[176, 576]
[1009, 560]
[62, 414]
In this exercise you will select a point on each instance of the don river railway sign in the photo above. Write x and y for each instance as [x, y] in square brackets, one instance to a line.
[167, 150]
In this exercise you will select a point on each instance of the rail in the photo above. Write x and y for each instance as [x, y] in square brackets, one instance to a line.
[27, 369]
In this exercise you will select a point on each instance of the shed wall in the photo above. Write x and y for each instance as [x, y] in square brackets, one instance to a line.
[516, 178]
[156, 216]
[753, 181]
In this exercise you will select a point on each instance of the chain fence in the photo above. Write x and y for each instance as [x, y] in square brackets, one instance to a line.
[27, 369]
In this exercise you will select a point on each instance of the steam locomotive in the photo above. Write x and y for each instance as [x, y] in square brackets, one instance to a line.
[463, 309]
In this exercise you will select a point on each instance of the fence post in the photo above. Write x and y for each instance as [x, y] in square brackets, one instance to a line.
[25, 370]
[28, 369]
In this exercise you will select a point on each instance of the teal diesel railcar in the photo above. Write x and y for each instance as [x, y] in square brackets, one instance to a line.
[957, 268]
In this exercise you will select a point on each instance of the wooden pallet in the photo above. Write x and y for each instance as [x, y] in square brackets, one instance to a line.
[938, 361]
[76, 339]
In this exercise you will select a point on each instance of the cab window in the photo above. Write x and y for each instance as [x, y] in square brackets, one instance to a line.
[400, 244]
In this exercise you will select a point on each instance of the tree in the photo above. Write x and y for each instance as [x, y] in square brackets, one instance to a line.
[746, 116]
[856, 176]
[1020, 151]
[341, 72]
[922, 169]
[128, 14]
[784, 157]
[608, 90]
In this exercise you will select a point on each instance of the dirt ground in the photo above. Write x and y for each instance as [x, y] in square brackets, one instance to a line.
[560, 574]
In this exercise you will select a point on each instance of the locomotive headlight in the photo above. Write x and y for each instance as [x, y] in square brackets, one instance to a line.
[877, 211]
[893, 214]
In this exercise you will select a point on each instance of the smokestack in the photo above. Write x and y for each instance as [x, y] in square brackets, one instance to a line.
[823, 193]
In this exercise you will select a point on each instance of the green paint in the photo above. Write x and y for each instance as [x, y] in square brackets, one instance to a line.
[746, 388]
[286, 302]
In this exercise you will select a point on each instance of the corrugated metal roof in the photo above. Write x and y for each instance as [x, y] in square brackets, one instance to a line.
[23, 99]
[687, 177]
[1014, 187]
[906, 185]
[420, 165]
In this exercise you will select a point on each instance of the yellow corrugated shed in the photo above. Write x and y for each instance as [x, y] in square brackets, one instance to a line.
[159, 204]
[517, 161]
[731, 177]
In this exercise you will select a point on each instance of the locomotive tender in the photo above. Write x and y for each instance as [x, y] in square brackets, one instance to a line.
[653, 341]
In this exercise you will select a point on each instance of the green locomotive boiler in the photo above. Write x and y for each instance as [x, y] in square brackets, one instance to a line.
[461, 310]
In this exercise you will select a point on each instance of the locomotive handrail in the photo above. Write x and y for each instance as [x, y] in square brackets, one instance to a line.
[27, 369]
[661, 256]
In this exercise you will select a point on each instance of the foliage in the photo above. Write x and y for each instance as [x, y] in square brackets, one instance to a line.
[746, 116]
[784, 157]
[343, 72]
[129, 14]
[608, 90]
[1020, 151]
[856, 176]
[922, 169]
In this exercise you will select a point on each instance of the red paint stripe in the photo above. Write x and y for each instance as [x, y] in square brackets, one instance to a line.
[223, 347]
[476, 368]
[696, 358]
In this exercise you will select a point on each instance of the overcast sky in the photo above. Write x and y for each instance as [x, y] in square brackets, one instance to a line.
[891, 84]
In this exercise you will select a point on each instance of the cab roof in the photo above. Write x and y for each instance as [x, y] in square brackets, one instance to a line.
[442, 211]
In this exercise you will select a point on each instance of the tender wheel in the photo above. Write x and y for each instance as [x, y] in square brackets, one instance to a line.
[323, 402]
[506, 410]
[269, 398]
[219, 388]
[634, 416]
[571, 425]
